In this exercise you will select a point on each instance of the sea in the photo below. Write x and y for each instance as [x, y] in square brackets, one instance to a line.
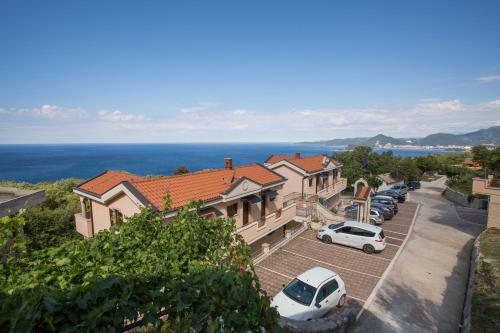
[49, 162]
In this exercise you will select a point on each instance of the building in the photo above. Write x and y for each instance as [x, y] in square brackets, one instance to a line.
[13, 199]
[310, 176]
[388, 181]
[490, 187]
[251, 194]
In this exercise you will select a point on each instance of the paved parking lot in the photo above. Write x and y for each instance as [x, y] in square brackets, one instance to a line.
[360, 271]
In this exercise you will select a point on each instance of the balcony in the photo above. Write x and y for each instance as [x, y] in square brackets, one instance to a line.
[264, 225]
[83, 225]
[329, 191]
[487, 186]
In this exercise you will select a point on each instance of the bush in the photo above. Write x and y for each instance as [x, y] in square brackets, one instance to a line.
[196, 270]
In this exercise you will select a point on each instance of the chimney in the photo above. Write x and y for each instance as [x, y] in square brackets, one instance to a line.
[228, 163]
[297, 155]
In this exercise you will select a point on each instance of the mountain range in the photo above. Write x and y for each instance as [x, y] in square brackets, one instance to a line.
[483, 136]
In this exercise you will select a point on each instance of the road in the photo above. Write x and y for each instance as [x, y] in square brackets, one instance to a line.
[425, 289]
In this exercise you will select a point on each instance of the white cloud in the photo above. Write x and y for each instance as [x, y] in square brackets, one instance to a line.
[240, 111]
[47, 111]
[492, 78]
[199, 107]
[119, 116]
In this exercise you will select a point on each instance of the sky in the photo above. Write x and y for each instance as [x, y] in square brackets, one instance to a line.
[245, 71]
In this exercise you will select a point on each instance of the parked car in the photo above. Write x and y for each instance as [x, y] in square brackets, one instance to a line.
[413, 185]
[387, 197]
[394, 194]
[363, 236]
[403, 189]
[311, 295]
[387, 202]
[376, 217]
[386, 211]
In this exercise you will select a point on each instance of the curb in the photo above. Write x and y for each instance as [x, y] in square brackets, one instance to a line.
[370, 298]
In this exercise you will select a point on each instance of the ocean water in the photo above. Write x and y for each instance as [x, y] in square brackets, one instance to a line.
[34, 163]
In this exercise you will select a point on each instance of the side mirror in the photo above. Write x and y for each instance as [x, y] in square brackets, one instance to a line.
[317, 305]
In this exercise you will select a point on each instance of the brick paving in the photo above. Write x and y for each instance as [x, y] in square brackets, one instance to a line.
[360, 271]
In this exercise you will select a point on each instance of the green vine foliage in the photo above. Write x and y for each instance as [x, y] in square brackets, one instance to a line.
[195, 272]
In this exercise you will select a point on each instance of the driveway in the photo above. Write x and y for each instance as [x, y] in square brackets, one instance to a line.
[360, 271]
[424, 291]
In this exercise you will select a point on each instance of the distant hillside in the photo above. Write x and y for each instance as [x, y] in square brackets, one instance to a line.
[484, 136]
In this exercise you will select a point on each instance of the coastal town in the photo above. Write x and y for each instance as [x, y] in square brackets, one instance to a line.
[249, 166]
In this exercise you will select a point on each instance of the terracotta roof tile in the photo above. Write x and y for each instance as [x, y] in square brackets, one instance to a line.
[362, 193]
[106, 181]
[203, 185]
[306, 163]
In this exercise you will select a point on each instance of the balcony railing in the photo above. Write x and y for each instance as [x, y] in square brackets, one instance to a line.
[330, 190]
[83, 225]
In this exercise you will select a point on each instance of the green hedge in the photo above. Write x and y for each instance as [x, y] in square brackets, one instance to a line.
[195, 269]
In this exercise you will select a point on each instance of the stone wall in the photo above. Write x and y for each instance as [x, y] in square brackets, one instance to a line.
[463, 200]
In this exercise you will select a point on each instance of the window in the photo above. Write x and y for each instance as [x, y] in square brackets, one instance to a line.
[232, 210]
[115, 216]
[327, 290]
[300, 292]
[335, 226]
[310, 182]
[87, 206]
[362, 232]
[345, 230]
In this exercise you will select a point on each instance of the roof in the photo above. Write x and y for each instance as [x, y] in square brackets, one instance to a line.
[306, 163]
[388, 178]
[204, 185]
[366, 226]
[362, 193]
[315, 276]
[105, 181]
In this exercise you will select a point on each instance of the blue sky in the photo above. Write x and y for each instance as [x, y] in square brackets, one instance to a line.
[205, 71]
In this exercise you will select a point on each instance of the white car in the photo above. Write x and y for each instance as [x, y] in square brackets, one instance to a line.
[363, 236]
[311, 295]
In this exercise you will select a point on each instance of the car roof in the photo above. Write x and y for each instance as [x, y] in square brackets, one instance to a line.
[383, 197]
[365, 226]
[315, 276]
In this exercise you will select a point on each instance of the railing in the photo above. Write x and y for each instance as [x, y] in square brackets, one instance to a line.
[334, 188]
[83, 225]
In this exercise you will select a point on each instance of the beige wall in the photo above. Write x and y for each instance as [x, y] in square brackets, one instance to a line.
[494, 211]
[295, 179]
[100, 212]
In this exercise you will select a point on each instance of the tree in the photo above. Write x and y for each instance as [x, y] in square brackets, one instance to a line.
[194, 271]
[406, 169]
[12, 238]
[427, 163]
[181, 169]
[52, 222]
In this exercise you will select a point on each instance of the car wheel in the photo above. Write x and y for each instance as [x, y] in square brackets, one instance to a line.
[372, 221]
[341, 301]
[327, 239]
[367, 248]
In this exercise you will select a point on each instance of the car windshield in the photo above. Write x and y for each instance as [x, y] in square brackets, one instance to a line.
[300, 292]
[336, 226]
[382, 236]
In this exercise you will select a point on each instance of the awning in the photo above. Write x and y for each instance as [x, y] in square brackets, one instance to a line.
[210, 212]
[272, 194]
[252, 199]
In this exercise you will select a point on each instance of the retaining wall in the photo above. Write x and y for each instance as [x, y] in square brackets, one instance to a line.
[336, 323]
[463, 200]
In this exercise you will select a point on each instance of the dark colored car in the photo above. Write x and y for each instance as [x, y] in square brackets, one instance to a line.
[387, 202]
[400, 188]
[393, 194]
[386, 211]
[413, 185]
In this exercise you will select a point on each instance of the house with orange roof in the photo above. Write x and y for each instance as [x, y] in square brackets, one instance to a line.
[251, 194]
[310, 176]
